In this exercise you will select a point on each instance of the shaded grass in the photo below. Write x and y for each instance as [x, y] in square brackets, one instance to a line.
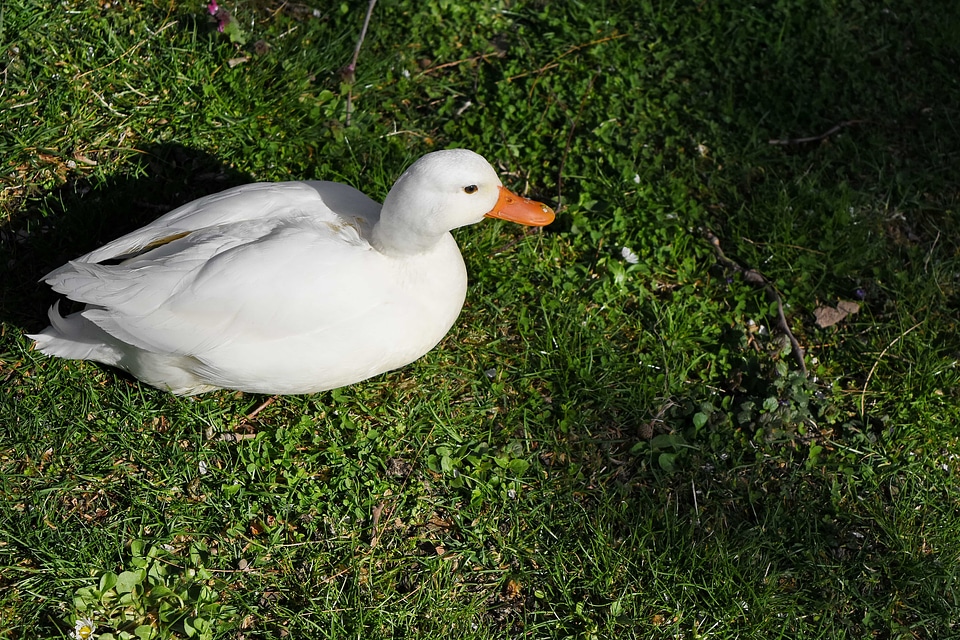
[599, 448]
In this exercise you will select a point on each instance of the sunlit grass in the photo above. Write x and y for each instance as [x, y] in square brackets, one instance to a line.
[599, 448]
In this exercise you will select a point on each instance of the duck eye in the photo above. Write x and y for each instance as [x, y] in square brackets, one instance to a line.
[470, 189]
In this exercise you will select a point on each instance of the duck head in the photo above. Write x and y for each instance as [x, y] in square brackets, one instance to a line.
[445, 190]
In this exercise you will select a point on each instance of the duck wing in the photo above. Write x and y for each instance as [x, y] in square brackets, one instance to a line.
[262, 201]
[244, 282]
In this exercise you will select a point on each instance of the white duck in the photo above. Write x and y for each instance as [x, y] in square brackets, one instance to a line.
[284, 288]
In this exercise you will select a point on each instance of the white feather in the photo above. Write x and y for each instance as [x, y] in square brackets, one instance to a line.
[285, 288]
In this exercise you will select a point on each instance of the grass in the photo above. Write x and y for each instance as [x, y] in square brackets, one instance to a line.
[599, 448]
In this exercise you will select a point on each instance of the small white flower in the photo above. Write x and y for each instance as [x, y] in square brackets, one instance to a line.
[406, 73]
[636, 178]
[629, 255]
[84, 629]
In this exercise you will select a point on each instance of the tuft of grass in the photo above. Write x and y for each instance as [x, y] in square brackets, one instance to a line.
[613, 441]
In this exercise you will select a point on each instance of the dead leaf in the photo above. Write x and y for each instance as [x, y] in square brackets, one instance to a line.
[85, 160]
[848, 306]
[828, 316]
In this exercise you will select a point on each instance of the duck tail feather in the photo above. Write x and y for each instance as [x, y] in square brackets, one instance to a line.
[75, 338]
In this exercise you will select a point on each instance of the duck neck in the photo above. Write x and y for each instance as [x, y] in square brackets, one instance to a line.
[396, 234]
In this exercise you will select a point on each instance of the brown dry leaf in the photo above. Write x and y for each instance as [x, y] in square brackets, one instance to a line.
[436, 522]
[828, 316]
[848, 306]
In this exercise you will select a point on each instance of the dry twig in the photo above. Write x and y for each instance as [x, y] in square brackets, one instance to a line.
[757, 279]
[826, 134]
[233, 436]
[349, 71]
[553, 63]
[445, 65]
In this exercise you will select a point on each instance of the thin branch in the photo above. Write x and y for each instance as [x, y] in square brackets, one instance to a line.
[926, 261]
[546, 67]
[253, 414]
[755, 278]
[826, 134]
[879, 358]
[407, 132]
[233, 436]
[445, 65]
[349, 71]
[783, 244]
[363, 34]
[553, 63]
[615, 36]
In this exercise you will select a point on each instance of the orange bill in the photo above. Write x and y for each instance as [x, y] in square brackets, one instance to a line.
[521, 210]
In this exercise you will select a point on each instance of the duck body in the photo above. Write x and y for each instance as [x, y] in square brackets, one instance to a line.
[281, 288]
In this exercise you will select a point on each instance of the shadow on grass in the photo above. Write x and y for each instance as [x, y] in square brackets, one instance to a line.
[850, 128]
[814, 530]
[81, 216]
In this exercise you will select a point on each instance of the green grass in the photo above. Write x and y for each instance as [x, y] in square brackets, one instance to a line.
[599, 449]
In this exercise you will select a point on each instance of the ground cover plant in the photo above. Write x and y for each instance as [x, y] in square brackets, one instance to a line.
[617, 439]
